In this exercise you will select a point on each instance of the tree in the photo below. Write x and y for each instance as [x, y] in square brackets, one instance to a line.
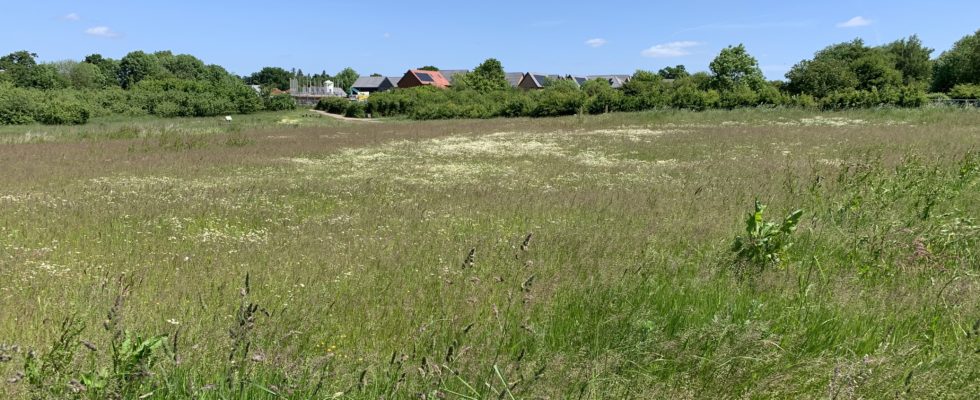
[271, 77]
[487, 77]
[108, 66]
[875, 71]
[24, 71]
[428, 68]
[86, 76]
[734, 67]
[958, 65]
[137, 66]
[821, 77]
[676, 72]
[345, 78]
[843, 67]
[911, 59]
[183, 66]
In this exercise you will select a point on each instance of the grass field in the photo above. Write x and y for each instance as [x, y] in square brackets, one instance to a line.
[580, 257]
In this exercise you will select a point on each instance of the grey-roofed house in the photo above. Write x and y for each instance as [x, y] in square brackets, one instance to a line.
[616, 81]
[450, 74]
[514, 78]
[372, 84]
[578, 80]
[533, 80]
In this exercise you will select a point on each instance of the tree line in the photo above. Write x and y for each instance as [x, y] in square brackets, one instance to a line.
[160, 83]
[844, 75]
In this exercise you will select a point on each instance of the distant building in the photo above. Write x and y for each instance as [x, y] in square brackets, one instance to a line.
[578, 80]
[450, 74]
[514, 78]
[533, 80]
[256, 88]
[616, 81]
[372, 84]
[310, 94]
[416, 77]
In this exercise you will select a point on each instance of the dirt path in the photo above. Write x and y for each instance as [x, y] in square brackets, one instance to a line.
[343, 118]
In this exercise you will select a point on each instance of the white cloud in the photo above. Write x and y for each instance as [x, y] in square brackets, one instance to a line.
[71, 17]
[101, 31]
[855, 22]
[597, 42]
[672, 49]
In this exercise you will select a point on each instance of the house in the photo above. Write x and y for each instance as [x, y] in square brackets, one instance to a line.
[417, 77]
[450, 74]
[578, 80]
[372, 84]
[616, 81]
[533, 80]
[514, 78]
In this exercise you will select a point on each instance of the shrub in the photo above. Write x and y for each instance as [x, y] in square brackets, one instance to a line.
[965, 91]
[354, 110]
[279, 102]
[333, 105]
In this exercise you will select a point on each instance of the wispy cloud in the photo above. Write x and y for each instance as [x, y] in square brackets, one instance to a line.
[855, 22]
[597, 42]
[672, 49]
[71, 17]
[101, 31]
[387, 35]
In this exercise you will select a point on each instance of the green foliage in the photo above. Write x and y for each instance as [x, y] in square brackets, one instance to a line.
[911, 59]
[333, 105]
[87, 76]
[965, 91]
[958, 65]
[345, 79]
[487, 77]
[764, 243]
[136, 66]
[355, 109]
[271, 77]
[279, 102]
[676, 72]
[734, 67]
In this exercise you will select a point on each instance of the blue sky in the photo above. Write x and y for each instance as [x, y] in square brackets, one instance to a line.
[388, 37]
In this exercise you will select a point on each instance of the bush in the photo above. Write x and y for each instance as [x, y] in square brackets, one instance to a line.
[558, 100]
[965, 91]
[279, 102]
[355, 110]
[333, 105]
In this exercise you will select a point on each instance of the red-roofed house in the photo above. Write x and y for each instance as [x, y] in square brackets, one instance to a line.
[418, 77]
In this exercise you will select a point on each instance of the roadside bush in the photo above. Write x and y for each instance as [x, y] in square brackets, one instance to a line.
[355, 110]
[280, 102]
[61, 111]
[560, 98]
[17, 105]
[965, 91]
[739, 96]
[333, 105]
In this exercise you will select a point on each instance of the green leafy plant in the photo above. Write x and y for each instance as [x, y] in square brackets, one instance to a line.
[765, 242]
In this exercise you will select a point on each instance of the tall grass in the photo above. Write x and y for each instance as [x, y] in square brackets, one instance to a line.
[553, 258]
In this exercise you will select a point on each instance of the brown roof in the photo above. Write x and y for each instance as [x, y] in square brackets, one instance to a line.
[433, 78]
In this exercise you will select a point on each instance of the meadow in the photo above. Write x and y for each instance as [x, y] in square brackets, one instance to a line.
[289, 255]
